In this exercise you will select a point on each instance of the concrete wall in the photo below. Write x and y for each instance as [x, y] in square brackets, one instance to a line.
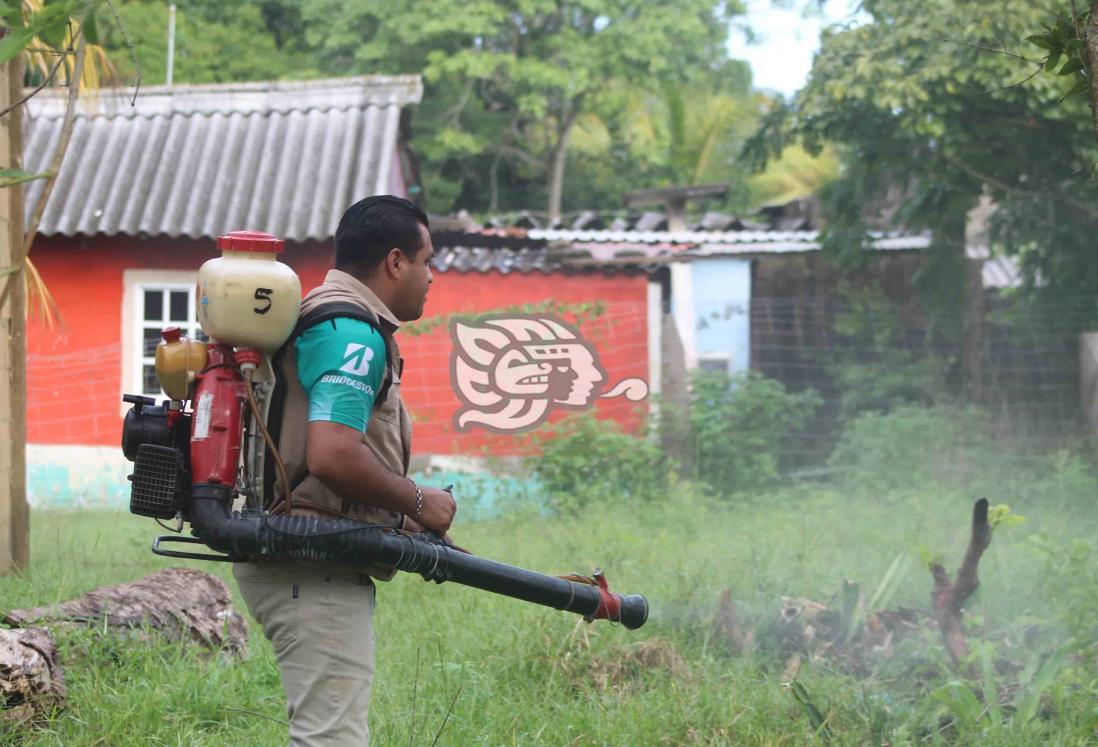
[66, 476]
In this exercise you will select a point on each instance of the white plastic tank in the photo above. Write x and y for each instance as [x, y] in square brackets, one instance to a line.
[246, 297]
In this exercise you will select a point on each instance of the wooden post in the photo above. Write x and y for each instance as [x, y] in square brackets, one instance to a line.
[1088, 378]
[977, 250]
[973, 347]
[14, 514]
[676, 214]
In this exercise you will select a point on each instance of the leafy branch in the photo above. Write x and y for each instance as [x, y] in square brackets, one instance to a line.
[1064, 42]
[38, 89]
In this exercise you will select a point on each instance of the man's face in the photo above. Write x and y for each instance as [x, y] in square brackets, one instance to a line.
[414, 281]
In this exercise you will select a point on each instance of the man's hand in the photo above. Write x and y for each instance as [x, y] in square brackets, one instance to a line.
[411, 526]
[438, 510]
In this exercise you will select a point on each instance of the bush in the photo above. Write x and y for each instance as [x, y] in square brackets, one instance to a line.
[586, 460]
[736, 426]
[912, 446]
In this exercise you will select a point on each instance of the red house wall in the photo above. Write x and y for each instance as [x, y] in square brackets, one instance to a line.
[74, 372]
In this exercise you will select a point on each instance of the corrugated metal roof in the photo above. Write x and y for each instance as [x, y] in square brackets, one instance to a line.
[1002, 272]
[796, 215]
[463, 254]
[726, 242]
[197, 161]
[670, 237]
[523, 260]
[779, 246]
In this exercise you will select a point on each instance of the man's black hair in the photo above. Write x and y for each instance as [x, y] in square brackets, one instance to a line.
[372, 227]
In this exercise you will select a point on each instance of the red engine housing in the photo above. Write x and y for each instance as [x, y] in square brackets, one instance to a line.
[217, 426]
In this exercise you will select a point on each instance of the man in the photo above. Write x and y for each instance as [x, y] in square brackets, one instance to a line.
[345, 438]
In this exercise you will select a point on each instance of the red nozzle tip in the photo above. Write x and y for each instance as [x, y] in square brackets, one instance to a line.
[171, 334]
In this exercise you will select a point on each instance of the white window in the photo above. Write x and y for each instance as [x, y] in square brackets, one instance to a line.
[153, 300]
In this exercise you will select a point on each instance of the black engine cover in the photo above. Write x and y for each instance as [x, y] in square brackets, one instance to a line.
[145, 423]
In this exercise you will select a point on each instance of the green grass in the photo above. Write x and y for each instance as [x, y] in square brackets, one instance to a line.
[518, 674]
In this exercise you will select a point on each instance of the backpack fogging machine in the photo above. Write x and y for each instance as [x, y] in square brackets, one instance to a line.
[198, 452]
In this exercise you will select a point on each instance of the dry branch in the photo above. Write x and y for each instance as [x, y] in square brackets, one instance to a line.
[845, 631]
[180, 603]
[949, 599]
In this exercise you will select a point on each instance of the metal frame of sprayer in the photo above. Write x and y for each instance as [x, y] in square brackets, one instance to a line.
[189, 465]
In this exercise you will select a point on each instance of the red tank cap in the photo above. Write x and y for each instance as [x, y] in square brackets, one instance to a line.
[171, 334]
[250, 241]
[248, 355]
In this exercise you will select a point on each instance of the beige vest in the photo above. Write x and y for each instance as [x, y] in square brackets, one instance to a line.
[388, 432]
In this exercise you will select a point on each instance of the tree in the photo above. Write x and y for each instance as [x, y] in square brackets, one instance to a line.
[1072, 39]
[216, 42]
[699, 123]
[56, 37]
[675, 135]
[513, 77]
[939, 103]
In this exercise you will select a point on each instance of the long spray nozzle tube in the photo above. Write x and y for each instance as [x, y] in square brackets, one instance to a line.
[255, 533]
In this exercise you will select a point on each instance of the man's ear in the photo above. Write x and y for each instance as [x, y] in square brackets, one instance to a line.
[394, 261]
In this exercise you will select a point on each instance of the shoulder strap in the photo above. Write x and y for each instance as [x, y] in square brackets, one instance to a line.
[327, 312]
[311, 318]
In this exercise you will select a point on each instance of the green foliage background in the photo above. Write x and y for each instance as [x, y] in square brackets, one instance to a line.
[644, 94]
[932, 105]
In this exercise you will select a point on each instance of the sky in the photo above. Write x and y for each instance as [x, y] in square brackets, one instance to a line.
[785, 40]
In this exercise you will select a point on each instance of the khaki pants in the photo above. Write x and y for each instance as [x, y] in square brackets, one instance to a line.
[320, 622]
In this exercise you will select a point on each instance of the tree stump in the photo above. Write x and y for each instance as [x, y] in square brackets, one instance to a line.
[31, 681]
[180, 603]
[728, 628]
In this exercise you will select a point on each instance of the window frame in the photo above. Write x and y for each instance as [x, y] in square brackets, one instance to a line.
[135, 284]
[707, 360]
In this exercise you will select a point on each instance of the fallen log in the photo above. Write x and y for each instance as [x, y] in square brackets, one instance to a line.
[949, 598]
[31, 681]
[180, 603]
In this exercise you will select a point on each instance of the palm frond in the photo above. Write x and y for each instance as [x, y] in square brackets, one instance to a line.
[96, 71]
[796, 174]
[40, 301]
